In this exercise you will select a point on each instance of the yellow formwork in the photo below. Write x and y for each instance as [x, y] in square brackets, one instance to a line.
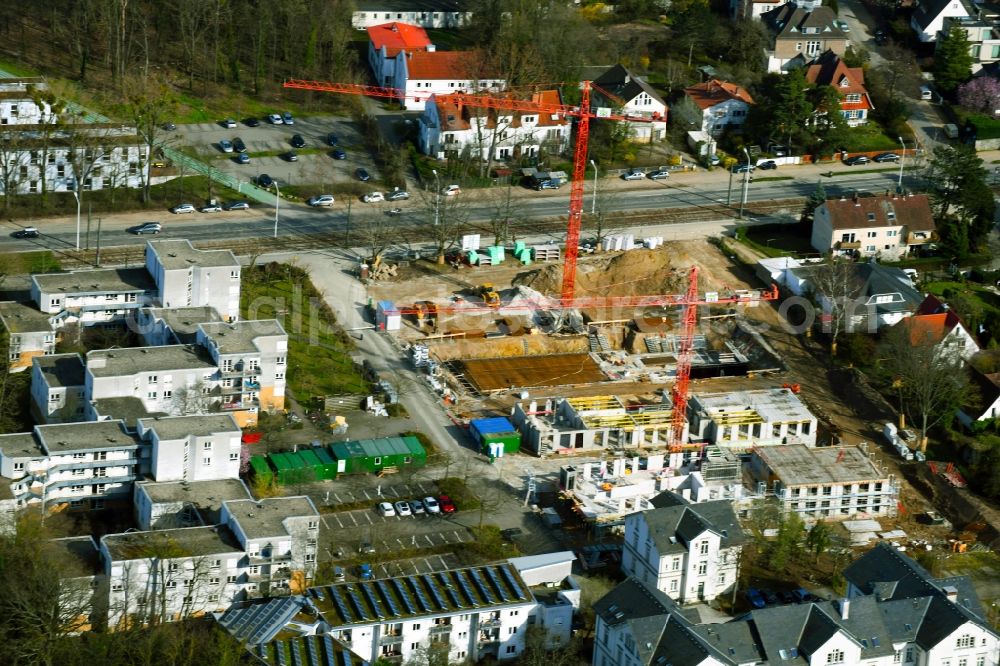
[595, 403]
[742, 417]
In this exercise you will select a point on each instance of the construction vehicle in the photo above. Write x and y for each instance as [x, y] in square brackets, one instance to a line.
[489, 295]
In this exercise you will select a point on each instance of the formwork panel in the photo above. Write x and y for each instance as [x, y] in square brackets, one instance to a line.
[495, 374]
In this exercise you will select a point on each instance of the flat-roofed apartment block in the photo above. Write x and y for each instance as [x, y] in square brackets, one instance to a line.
[92, 296]
[30, 333]
[58, 388]
[74, 464]
[252, 358]
[259, 549]
[83, 586]
[193, 448]
[188, 277]
[20, 104]
[161, 506]
[742, 420]
[825, 483]
[574, 425]
[470, 612]
[173, 326]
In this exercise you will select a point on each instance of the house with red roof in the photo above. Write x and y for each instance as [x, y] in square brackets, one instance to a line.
[387, 41]
[724, 106]
[888, 226]
[849, 82]
[934, 323]
[447, 127]
[422, 74]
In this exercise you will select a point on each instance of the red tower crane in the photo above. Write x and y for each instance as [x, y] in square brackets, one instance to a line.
[583, 113]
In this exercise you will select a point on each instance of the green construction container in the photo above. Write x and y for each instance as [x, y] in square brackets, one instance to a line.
[473, 257]
[302, 470]
[329, 464]
[261, 470]
[315, 464]
[519, 247]
[283, 469]
[496, 254]
[374, 455]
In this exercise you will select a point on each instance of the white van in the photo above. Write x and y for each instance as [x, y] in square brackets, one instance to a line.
[926, 93]
[951, 130]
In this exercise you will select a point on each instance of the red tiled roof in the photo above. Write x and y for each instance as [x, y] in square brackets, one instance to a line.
[930, 328]
[830, 70]
[396, 37]
[708, 94]
[931, 305]
[442, 65]
[461, 113]
[912, 211]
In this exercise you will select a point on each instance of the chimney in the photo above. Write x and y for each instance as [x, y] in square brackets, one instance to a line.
[857, 200]
[628, 79]
[845, 609]
[951, 592]
[431, 48]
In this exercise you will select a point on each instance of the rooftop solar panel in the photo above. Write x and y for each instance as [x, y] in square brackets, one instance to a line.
[390, 602]
[421, 598]
[460, 577]
[312, 649]
[373, 601]
[501, 590]
[484, 591]
[512, 581]
[279, 652]
[297, 659]
[341, 606]
[404, 596]
[357, 603]
[434, 592]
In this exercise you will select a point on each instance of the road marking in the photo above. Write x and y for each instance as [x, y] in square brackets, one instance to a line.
[325, 522]
[369, 518]
[338, 498]
[428, 537]
[353, 520]
[367, 496]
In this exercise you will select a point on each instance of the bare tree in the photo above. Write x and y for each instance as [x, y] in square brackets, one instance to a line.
[194, 399]
[596, 217]
[506, 211]
[446, 218]
[14, 160]
[931, 381]
[836, 289]
[148, 104]
[377, 233]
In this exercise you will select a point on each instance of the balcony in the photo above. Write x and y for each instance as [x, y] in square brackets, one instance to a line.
[390, 639]
[236, 405]
[849, 245]
[269, 559]
[920, 238]
[253, 386]
[490, 623]
[91, 464]
[437, 629]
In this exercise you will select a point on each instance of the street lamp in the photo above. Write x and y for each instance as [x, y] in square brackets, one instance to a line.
[277, 200]
[769, 240]
[76, 195]
[902, 157]
[437, 197]
[593, 205]
[746, 183]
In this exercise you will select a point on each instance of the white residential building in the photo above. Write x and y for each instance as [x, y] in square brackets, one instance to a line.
[261, 548]
[90, 297]
[447, 128]
[633, 96]
[58, 388]
[422, 74]
[425, 13]
[929, 16]
[895, 614]
[742, 420]
[169, 505]
[193, 448]
[186, 277]
[690, 552]
[30, 334]
[723, 105]
[83, 586]
[388, 40]
[173, 326]
[21, 103]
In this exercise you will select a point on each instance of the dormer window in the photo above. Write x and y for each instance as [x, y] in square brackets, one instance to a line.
[871, 217]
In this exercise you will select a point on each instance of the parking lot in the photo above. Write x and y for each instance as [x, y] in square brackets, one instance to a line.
[266, 145]
[373, 495]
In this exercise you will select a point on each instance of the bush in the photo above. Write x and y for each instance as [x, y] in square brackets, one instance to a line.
[459, 493]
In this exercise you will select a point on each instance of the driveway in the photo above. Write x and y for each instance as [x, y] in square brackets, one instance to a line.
[862, 26]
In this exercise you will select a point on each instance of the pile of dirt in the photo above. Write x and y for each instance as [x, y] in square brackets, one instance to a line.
[632, 273]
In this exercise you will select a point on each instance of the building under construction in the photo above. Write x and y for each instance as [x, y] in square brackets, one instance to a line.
[825, 483]
[742, 420]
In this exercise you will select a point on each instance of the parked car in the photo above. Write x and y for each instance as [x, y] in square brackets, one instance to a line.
[320, 200]
[714, 160]
[182, 208]
[251, 122]
[403, 508]
[447, 506]
[417, 506]
[857, 159]
[362, 174]
[264, 180]
[242, 158]
[170, 127]
[881, 38]
[239, 146]
[511, 533]
[298, 141]
[842, 25]
[286, 118]
[887, 157]
[385, 508]
[339, 575]
[226, 146]
[432, 505]
[771, 598]
[767, 165]
[229, 123]
[786, 596]
[547, 184]
[211, 208]
[365, 572]
[331, 139]
[373, 197]
[801, 594]
[275, 119]
[338, 155]
[366, 547]
[451, 190]
[743, 167]
[633, 174]
[27, 232]
[659, 174]
[292, 156]
[777, 149]
[146, 228]
[755, 598]
[397, 195]
[236, 205]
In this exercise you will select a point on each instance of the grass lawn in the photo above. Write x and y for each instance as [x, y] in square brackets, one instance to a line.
[25, 263]
[870, 137]
[319, 362]
[16, 69]
[227, 103]
[986, 299]
[777, 240]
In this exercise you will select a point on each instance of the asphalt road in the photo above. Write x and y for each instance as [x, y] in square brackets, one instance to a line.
[682, 191]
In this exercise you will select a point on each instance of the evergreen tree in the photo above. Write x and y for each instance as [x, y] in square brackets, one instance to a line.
[952, 60]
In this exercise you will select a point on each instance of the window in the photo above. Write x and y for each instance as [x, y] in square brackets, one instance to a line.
[213, 598]
[206, 461]
[835, 657]
[511, 631]
[676, 564]
[152, 379]
[278, 376]
[852, 97]
[234, 456]
[230, 579]
[234, 275]
[171, 585]
[314, 524]
[151, 395]
[19, 467]
[722, 579]
[280, 360]
[869, 248]
[515, 613]
[117, 587]
[310, 557]
[702, 568]
[416, 626]
[673, 585]
[168, 393]
[872, 234]
[378, 461]
[206, 446]
[704, 548]
[216, 564]
[965, 641]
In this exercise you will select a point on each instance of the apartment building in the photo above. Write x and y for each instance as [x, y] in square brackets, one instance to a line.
[425, 13]
[800, 35]
[30, 334]
[422, 74]
[885, 226]
[260, 548]
[983, 33]
[252, 359]
[58, 388]
[895, 614]
[173, 326]
[20, 104]
[193, 448]
[83, 586]
[690, 552]
[169, 505]
[742, 420]
[186, 277]
[388, 40]
[825, 483]
[91, 297]
[469, 613]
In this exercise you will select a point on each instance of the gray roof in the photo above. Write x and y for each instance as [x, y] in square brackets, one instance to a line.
[238, 337]
[674, 523]
[183, 322]
[61, 370]
[925, 11]
[24, 318]
[622, 83]
[199, 425]
[792, 22]
[80, 554]
[96, 281]
[180, 254]
[265, 518]
[129, 409]
[801, 465]
[20, 445]
[60, 438]
[132, 361]
[178, 543]
[198, 493]
[871, 279]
